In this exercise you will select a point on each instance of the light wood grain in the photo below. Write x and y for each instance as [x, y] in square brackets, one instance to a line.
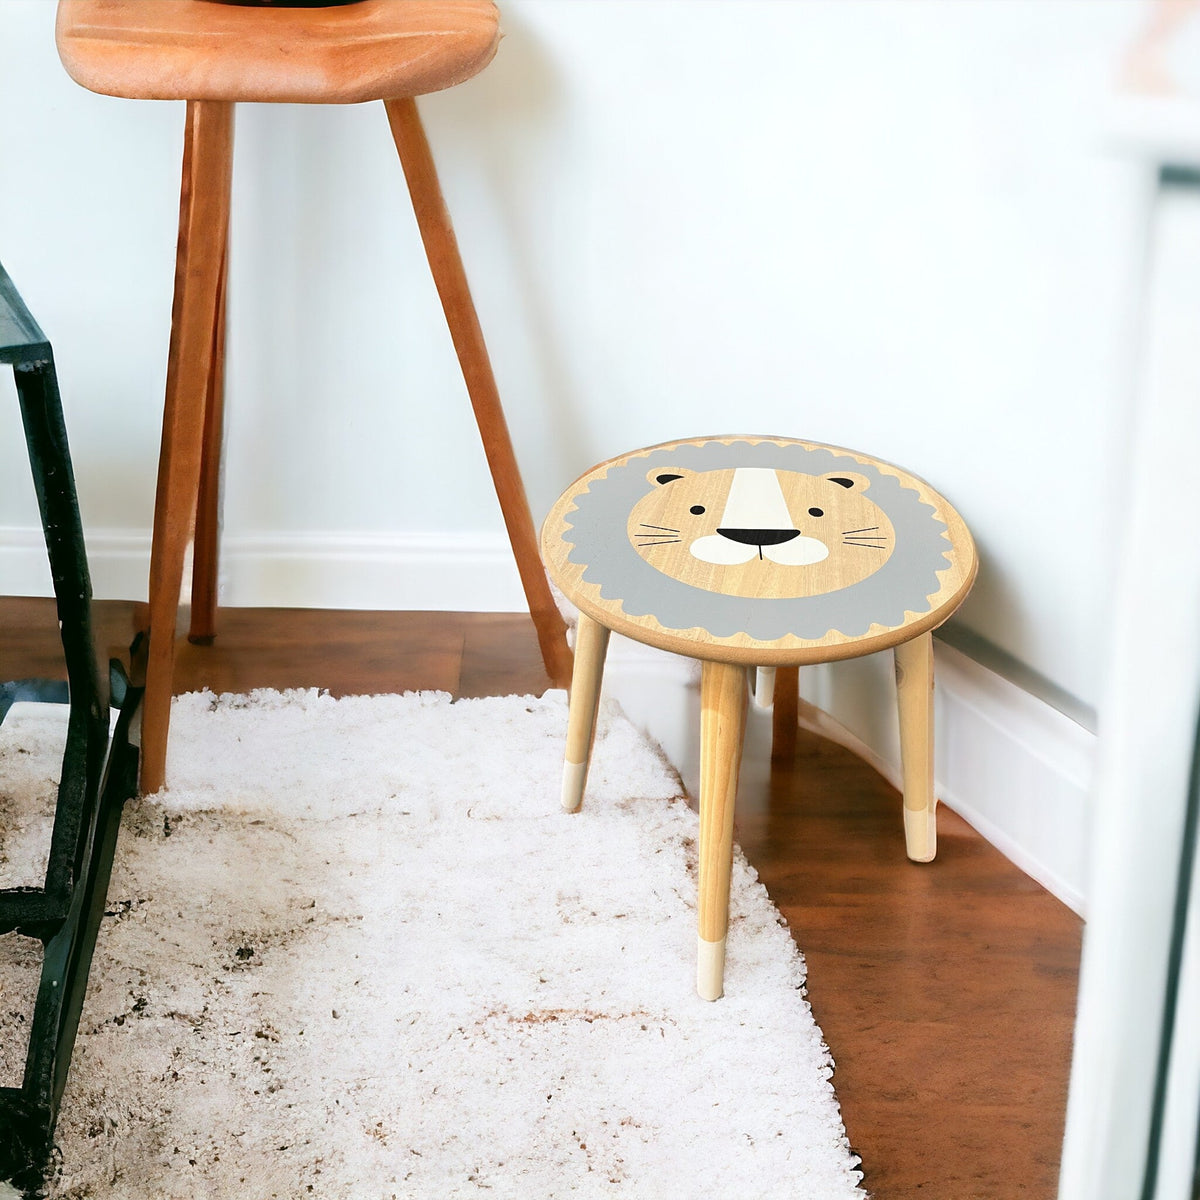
[700, 499]
[441, 248]
[203, 232]
[723, 696]
[196, 50]
[954, 581]
[591, 645]
[914, 689]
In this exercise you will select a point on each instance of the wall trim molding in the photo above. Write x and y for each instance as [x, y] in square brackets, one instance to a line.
[1010, 764]
[453, 572]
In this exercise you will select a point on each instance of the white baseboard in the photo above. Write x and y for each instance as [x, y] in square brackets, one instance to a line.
[452, 572]
[1015, 768]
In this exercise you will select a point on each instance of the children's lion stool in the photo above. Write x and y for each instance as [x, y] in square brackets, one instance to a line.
[763, 552]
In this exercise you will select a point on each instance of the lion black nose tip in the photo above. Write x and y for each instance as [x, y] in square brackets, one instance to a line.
[759, 537]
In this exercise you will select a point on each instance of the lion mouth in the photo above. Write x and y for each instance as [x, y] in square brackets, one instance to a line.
[760, 537]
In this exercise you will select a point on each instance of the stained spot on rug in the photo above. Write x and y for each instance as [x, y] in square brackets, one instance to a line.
[542, 1016]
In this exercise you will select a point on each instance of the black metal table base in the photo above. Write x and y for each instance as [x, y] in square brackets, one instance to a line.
[99, 771]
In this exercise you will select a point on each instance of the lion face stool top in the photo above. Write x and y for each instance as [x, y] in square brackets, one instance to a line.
[763, 552]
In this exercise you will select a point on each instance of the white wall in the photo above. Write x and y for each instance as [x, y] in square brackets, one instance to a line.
[893, 226]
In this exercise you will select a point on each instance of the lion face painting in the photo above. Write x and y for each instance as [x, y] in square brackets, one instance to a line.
[764, 544]
[758, 531]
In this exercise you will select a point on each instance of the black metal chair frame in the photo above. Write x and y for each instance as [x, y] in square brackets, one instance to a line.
[99, 772]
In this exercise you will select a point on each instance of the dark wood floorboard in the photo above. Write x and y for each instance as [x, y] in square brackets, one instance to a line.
[946, 991]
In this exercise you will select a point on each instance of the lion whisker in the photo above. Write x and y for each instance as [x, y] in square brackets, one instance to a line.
[665, 542]
[865, 545]
[865, 529]
[664, 528]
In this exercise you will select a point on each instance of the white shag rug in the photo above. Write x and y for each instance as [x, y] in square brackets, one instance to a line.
[357, 950]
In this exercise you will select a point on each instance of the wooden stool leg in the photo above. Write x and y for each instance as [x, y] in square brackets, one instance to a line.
[441, 249]
[203, 224]
[591, 644]
[206, 543]
[914, 688]
[722, 727]
[785, 714]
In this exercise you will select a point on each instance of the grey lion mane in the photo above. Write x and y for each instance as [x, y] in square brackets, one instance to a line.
[902, 585]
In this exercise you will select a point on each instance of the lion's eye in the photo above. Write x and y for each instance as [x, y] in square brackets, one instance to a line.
[696, 509]
[816, 512]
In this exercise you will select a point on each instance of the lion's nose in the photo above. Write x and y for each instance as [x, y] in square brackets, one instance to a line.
[759, 537]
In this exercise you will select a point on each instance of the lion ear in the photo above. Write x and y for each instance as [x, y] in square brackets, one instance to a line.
[849, 480]
[664, 475]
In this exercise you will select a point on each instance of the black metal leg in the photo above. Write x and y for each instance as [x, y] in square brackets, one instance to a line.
[28, 1114]
[97, 777]
[87, 730]
[68, 954]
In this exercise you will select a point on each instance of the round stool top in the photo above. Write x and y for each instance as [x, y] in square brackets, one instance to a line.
[764, 551]
[202, 50]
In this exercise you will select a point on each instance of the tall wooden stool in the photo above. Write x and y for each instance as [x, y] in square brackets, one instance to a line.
[213, 55]
[756, 552]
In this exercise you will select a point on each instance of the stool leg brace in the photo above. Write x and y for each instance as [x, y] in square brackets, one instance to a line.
[97, 776]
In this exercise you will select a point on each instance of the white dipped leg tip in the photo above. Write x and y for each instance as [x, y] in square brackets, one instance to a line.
[710, 969]
[574, 777]
[920, 833]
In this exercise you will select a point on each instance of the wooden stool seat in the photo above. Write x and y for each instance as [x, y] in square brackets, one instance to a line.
[203, 50]
[756, 552]
[214, 55]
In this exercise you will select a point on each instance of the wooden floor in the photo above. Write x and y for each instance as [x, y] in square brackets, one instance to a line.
[946, 991]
